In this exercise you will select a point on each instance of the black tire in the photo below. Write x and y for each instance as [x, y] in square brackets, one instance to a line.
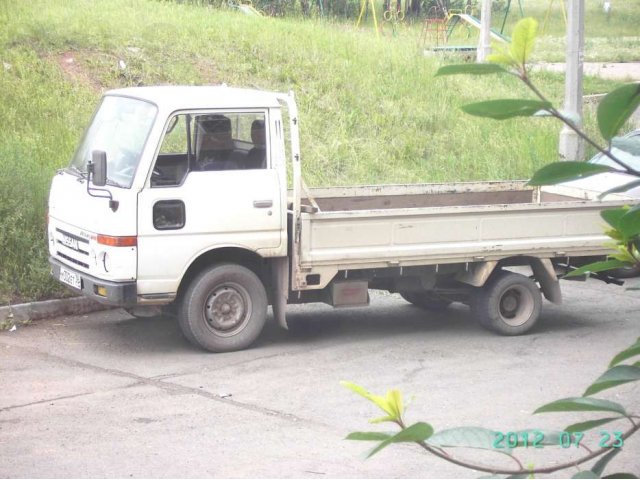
[224, 309]
[509, 303]
[426, 300]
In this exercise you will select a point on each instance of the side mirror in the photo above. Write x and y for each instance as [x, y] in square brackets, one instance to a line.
[99, 168]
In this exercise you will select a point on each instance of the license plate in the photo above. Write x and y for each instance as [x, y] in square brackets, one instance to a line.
[69, 241]
[70, 278]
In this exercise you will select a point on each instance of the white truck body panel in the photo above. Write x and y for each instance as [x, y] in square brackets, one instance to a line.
[220, 212]
[74, 215]
[551, 222]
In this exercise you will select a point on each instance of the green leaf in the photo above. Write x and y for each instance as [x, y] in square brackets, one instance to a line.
[632, 351]
[506, 108]
[630, 145]
[613, 377]
[470, 437]
[621, 475]
[630, 223]
[559, 172]
[588, 425]
[549, 437]
[381, 402]
[470, 69]
[387, 418]
[417, 432]
[601, 464]
[616, 108]
[623, 255]
[597, 267]
[394, 400]
[522, 40]
[368, 436]
[500, 58]
[613, 216]
[581, 404]
[621, 188]
[585, 474]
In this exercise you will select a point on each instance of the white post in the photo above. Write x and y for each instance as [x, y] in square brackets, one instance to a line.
[571, 145]
[484, 44]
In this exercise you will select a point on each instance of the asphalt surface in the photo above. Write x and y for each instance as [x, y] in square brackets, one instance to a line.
[107, 395]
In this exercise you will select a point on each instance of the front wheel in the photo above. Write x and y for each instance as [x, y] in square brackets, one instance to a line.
[224, 309]
[508, 304]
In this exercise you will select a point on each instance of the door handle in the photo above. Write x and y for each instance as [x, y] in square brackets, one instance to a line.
[262, 203]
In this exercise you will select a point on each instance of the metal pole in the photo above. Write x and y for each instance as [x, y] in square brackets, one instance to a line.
[484, 44]
[571, 146]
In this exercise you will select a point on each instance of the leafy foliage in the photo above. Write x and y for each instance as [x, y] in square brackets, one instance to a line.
[522, 40]
[566, 171]
[506, 108]
[391, 404]
[632, 351]
[613, 111]
[624, 225]
[435, 442]
[581, 404]
[613, 377]
[616, 108]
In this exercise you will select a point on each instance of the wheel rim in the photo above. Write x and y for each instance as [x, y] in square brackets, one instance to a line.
[227, 309]
[516, 306]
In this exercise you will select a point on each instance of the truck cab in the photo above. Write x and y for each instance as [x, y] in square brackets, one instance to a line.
[192, 176]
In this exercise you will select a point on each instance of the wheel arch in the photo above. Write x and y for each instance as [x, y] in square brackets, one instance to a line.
[235, 255]
[542, 269]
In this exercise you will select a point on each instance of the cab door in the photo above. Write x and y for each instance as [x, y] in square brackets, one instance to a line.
[196, 201]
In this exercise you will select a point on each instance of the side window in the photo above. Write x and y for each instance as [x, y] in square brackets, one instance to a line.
[172, 163]
[211, 141]
[175, 138]
[230, 141]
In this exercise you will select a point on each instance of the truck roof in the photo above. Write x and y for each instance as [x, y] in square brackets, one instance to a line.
[190, 97]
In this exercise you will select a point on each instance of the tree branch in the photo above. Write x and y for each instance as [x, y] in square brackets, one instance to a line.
[556, 113]
[506, 471]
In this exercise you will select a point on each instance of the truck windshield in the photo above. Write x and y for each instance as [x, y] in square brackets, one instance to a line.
[120, 127]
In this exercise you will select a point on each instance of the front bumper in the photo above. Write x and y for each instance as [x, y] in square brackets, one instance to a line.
[121, 294]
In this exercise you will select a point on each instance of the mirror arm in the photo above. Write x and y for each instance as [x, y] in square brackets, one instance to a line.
[113, 204]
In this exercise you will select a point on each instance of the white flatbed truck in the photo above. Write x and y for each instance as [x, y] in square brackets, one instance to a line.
[177, 197]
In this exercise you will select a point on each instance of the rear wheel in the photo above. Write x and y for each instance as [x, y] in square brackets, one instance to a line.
[426, 300]
[509, 303]
[224, 309]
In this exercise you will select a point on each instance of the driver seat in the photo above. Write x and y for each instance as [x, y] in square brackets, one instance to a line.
[214, 144]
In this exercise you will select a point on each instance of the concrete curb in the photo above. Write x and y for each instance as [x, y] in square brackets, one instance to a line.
[25, 312]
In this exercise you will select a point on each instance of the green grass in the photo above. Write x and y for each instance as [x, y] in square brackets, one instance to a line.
[371, 110]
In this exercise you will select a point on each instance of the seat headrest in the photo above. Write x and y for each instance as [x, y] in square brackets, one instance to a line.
[214, 132]
[258, 134]
[214, 124]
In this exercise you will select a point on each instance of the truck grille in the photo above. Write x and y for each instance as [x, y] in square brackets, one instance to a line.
[72, 248]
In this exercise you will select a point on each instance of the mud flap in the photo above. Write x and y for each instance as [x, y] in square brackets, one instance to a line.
[546, 276]
[280, 283]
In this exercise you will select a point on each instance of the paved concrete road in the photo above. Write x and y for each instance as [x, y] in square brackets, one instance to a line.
[107, 395]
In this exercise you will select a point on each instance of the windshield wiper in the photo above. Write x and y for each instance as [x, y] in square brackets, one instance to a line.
[75, 169]
[113, 183]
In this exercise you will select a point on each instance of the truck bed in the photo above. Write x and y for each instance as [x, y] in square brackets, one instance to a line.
[405, 225]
